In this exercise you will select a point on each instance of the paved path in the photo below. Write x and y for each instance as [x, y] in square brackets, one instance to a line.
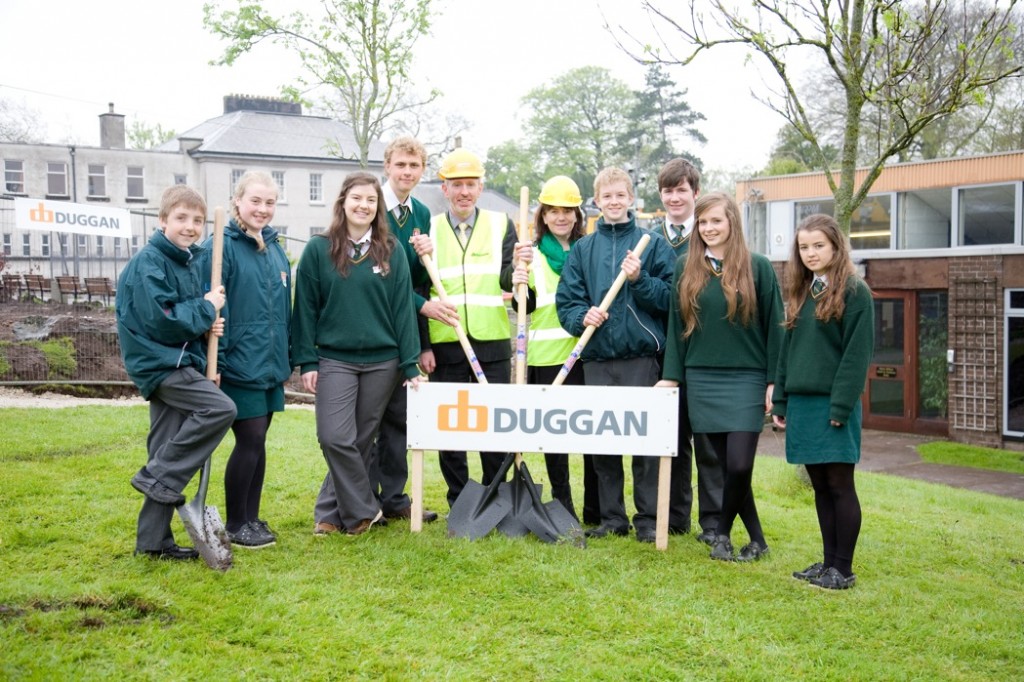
[895, 454]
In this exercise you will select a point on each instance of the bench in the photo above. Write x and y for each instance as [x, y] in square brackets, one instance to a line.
[99, 286]
[69, 286]
[37, 285]
[12, 286]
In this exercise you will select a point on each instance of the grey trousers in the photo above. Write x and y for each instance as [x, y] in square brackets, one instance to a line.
[188, 417]
[350, 400]
[390, 472]
[610, 478]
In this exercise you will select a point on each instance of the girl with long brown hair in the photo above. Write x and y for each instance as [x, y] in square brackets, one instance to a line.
[724, 334]
[354, 337]
[822, 369]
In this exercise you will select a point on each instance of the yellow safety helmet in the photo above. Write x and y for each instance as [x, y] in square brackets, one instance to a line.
[560, 190]
[461, 163]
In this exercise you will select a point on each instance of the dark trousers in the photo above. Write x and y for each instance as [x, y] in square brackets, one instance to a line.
[610, 478]
[453, 463]
[390, 470]
[710, 480]
[188, 417]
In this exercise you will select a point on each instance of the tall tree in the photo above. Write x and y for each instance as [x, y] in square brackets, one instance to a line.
[142, 135]
[877, 52]
[513, 164]
[20, 123]
[359, 51]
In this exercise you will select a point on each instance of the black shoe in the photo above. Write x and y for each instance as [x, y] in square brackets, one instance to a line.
[173, 553]
[708, 536]
[252, 536]
[752, 552]
[428, 516]
[678, 530]
[155, 490]
[722, 549]
[265, 528]
[832, 579]
[645, 535]
[812, 571]
[604, 530]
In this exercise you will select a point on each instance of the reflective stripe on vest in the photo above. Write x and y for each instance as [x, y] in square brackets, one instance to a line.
[471, 277]
[549, 343]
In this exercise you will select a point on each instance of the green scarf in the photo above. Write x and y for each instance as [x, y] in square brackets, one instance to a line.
[553, 251]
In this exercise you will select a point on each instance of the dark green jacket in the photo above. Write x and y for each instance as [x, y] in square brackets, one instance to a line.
[828, 358]
[418, 220]
[635, 327]
[254, 349]
[161, 313]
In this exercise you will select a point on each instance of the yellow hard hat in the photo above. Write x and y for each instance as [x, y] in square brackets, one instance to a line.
[560, 190]
[461, 163]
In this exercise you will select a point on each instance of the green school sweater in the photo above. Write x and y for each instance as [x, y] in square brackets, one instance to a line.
[362, 318]
[828, 358]
[418, 219]
[717, 343]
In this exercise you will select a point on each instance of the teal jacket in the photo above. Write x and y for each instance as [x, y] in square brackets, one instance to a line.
[161, 313]
[636, 320]
[254, 351]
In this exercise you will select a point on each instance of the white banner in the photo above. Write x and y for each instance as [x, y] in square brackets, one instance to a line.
[64, 216]
[595, 420]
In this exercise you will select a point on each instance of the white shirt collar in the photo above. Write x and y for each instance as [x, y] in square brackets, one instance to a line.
[391, 201]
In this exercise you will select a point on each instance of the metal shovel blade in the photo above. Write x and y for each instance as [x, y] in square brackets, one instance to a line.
[551, 521]
[205, 527]
[519, 498]
[479, 508]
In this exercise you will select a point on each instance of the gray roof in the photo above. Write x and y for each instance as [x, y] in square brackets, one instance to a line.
[256, 133]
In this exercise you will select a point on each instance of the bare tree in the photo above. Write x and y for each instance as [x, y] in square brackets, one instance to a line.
[360, 51]
[879, 53]
[20, 123]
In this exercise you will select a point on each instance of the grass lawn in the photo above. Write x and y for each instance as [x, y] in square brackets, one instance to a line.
[961, 455]
[939, 594]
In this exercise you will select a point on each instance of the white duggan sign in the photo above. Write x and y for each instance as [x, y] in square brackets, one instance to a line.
[596, 420]
[63, 216]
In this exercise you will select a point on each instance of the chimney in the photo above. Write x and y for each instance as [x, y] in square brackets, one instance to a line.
[112, 129]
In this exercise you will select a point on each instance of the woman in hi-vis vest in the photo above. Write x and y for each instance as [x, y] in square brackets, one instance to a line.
[558, 225]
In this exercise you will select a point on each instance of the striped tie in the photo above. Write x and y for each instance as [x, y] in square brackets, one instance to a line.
[403, 214]
[716, 265]
[818, 287]
[463, 227]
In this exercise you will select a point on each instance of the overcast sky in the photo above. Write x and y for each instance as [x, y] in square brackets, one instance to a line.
[68, 59]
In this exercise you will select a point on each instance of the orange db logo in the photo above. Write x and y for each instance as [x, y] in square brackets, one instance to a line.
[457, 417]
[40, 214]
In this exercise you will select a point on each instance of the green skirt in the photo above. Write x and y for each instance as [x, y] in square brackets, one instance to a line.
[810, 436]
[254, 402]
[725, 400]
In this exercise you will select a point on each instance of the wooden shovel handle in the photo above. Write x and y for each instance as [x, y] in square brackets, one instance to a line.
[215, 277]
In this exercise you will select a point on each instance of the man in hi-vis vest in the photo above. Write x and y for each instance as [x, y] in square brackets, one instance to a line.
[474, 250]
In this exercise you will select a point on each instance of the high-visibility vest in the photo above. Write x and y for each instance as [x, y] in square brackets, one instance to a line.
[549, 344]
[471, 277]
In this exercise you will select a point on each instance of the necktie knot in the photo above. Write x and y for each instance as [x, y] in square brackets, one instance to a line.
[818, 287]
[715, 264]
[403, 214]
[357, 249]
[463, 229]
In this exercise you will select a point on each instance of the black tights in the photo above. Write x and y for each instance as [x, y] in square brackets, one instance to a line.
[243, 476]
[735, 453]
[835, 499]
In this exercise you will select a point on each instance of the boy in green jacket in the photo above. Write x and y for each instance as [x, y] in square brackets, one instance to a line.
[162, 318]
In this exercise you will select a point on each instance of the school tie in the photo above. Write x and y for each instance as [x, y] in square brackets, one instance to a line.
[716, 265]
[403, 214]
[463, 227]
[818, 287]
[357, 250]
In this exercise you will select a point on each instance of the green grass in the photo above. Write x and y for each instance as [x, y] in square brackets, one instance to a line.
[939, 593]
[976, 457]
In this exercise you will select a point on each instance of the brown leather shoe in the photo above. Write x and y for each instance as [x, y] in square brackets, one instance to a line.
[428, 516]
[365, 524]
[323, 528]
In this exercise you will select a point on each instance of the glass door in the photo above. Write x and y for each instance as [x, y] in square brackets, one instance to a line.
[891, 384]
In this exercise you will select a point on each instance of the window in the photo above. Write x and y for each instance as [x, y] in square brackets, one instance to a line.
[99, 245]
[806, 208]
[279, 179]
[14, 176]
[316, 188]
[57, 179]
[932, 342]
[871, 223]
[986, 214]
[97, 180]
[924, 219]
[45, 251]
[83, 244]
[1013, 371]
[236, 175]
[136, 182]
[7, 243]
[316, 230]
[180, 179]
[26, 244]
[135, 244]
